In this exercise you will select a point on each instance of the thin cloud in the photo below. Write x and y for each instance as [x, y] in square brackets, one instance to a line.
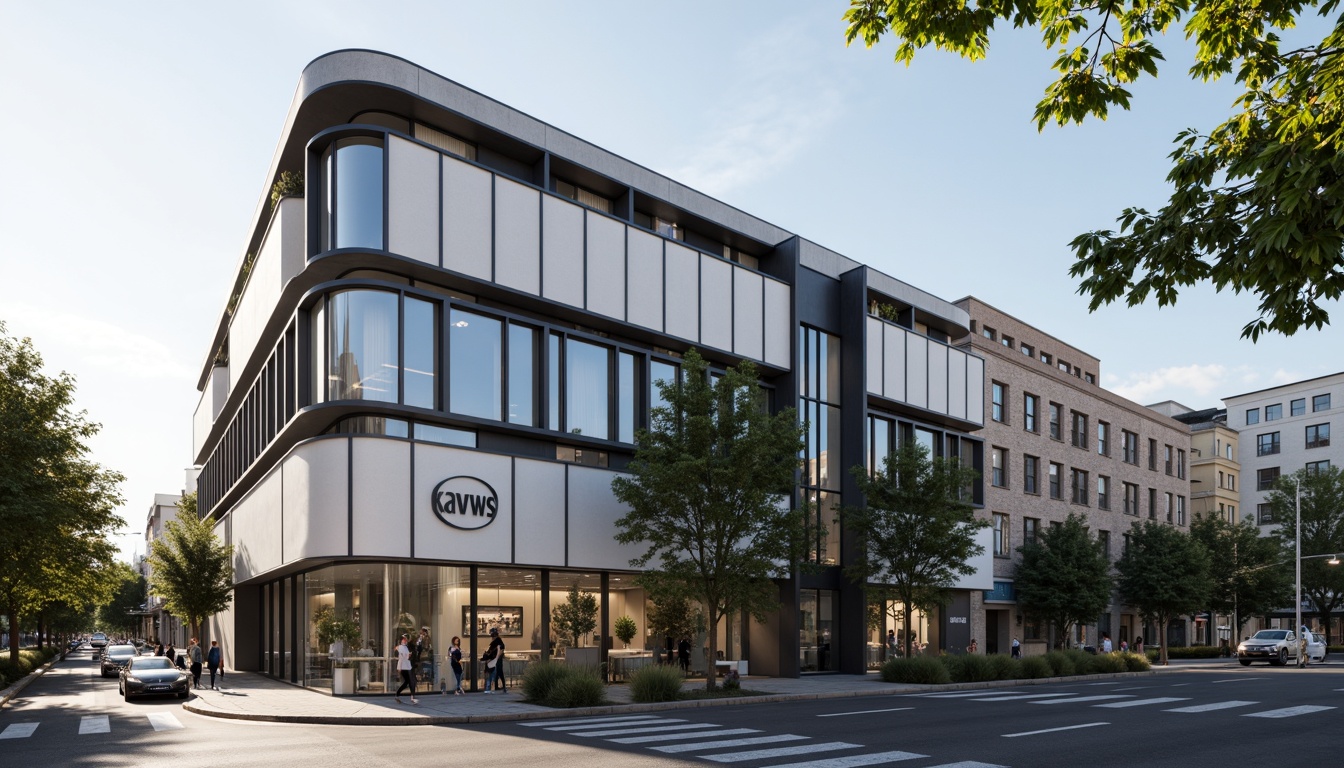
[97, 344]
[1195, 386]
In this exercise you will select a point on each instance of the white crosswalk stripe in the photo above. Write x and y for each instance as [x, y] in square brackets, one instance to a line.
[683, 735]
[94, 724]
[575, 727]
[163, 721]
[1140, 702]
[18, 731]
[673, 749]
[854, 761]
[576, 720]
[1213, 707]
[647, 729]
[1305, 709]
[1023, 696]
[968, 764]
[765, 754]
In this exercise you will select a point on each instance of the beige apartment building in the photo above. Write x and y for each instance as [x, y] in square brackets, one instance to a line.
[1056, 443]
[1215, 470]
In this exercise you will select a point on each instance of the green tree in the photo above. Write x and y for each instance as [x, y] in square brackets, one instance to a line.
[575, 617]
[1164, 572]
[1256, 200]
[1322, 533]
[708, 496]
[1064, 577]
[675, 617]
[914, 534]
[121, 613]
[1250, 573]
[190, 568]
[57, 508]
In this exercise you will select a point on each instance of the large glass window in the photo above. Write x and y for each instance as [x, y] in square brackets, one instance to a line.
[1320, 402]
[627, 403]
[553, 382]
[1274, 412]
[587, 387]
[1267, 444]
[474, 365]
[355, 199]
[1297, 407]
[1318, 436]
[422, 345]
[362, 345]
[659, 371]
[522, 375]
[818, 630]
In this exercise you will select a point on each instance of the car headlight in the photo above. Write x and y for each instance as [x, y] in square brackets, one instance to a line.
[133, 679]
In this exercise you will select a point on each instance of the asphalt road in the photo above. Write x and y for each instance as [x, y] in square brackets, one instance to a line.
[1220, 713]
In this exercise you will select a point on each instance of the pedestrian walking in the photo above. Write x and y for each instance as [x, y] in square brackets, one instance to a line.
[404, 668]
[171, 654]
[684, 655]
[158, 650]
[1138, 644]
[214, 659]
[494, 662]
[1017, 649]
[455, 660]
[973, 648]
[893, 647]
[195, 655]
[1106, 646]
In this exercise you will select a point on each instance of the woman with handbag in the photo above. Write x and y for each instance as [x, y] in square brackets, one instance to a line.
[455, 660]
[494, 661]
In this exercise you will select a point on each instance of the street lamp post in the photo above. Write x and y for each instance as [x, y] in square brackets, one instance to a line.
[1297, 605]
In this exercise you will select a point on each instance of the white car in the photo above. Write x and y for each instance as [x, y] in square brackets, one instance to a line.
[1315, 648]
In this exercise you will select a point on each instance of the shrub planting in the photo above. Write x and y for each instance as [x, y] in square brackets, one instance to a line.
[1036, 667]
[919, 670]
[656, 683]
[1005, 667]
[1061, 665]
[1136, 662]
[970, 668]
[29, 659]
[1108, 662]
[579, 688]
[539, 679]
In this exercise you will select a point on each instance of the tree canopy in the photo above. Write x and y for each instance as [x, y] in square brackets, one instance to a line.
[1251, 575]
[1064, 577]
[914, 534]
[190, 568]
[1257, 203]
[121, 614]
[1322, 534]
[708, 493]
[57, 508]
[1164, 572]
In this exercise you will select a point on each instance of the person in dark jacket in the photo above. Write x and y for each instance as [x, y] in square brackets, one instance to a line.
[684, 655]
[495, 653]
[195, 656]
[215, 661]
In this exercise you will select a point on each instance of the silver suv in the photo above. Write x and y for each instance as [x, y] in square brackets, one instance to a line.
[1275, 646]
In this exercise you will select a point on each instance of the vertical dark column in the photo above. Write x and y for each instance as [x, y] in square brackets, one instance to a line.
[545, 640]
[605, 627]
[280, 623]
[784, 266]
[852, 643]
[470, 630]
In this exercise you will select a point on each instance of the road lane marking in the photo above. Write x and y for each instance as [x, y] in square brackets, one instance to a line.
[1238, 680]
[968, 764]
[1141, 702]
[94, 724]
[648, 729]
[1179, 685]
[1086, 698]
[1212, 707]
[1052, 730]
[961, 695]
[672, 749]
[1306, 709]
[854, 761]
[576, 720]
[587, 726]
[1023, 696]
[18, 731]
[678, 736]
[1134, 688]
[866, 712]
[762, 754]
[164, 721]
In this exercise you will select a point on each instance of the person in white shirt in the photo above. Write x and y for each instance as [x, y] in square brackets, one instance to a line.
[404, 668]
[1106, 646]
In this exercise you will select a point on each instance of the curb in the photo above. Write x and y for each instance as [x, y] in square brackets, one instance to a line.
[617, 709]
[17, 687]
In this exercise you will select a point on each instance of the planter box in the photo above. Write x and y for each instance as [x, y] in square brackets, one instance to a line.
[343, 681]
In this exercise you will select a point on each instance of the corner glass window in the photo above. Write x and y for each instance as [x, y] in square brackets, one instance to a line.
[355, 193]
[362, 361]
[422, 344]
[474, 365]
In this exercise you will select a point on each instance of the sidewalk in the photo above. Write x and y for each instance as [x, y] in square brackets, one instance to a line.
[249, 696]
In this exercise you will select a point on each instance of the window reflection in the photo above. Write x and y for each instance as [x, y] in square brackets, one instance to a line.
[362, 344]
[522, 375]
[586, 389]
[357, 196]
[474, 365]
[625, 428]
[422, 343]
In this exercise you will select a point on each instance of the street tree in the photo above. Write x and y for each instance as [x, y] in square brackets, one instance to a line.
[1164, 572]
[190, 568]
[708, 492]
[1251, 575]
[57, 508]
[121, 614]
[915, 533]
[1064, 577]
[1255, 201]
[1322, 534]
[673, 618]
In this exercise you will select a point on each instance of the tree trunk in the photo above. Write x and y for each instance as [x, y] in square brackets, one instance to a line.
[905, 621]
[1162, 639]
[712, 655]
[41, 630]
[13, 614]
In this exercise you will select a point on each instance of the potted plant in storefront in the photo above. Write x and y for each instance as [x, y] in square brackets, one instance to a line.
[572, 619]
[625, 630]
[340, 636]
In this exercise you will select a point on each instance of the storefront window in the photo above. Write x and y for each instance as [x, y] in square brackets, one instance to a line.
[507, 599]
[474, 368]
[818, 621]
[583, 647]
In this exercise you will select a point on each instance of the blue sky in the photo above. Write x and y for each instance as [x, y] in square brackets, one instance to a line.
[137, 138]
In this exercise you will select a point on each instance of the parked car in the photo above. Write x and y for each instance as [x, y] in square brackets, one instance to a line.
[152, 676]
[1315, 648]
[1275, 646]
[98, 641]
[115, 658]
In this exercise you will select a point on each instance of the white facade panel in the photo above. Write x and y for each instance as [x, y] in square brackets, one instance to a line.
[539, 512]
[938, 378]
[681, 275]
[983, 575]
[592, 521]
[716, 303]
[778, 324]
[748, 314]
[517, 236]
[606, 266]
[975, 389]
[466, 219]
[259, 299]
[435, 539]
[213, 397]
[893, 362]
[380, 501]
[956, 383]
[257, 530]
[644, 264]
[872, 358]
[413, 201]
[317, 500]
[917, 370]
[562, 251]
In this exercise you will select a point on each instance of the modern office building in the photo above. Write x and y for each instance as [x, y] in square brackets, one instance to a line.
[1057, 443]
[434, 361]
[1284, 429]
[158, 623]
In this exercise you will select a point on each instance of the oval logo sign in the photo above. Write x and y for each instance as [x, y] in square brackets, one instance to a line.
[466, 503]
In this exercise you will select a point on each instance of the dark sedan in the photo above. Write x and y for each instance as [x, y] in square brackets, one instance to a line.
[153, 676]
[115, 658]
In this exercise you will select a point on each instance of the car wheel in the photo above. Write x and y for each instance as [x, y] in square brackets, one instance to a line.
[126, 696]
[1245, 662]
[1283, 657]
[182, 695]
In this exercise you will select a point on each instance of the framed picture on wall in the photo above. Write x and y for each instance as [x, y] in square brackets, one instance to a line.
[508, 619]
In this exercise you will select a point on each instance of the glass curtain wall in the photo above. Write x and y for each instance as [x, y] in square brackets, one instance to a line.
[822, 463]
[819, 621]
[509, 600]
[352, 216]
